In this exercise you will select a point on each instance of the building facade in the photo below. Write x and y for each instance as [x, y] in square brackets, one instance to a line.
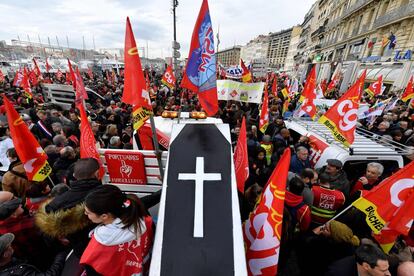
[255, 49]
[278, 48]
[229, 56]
[290, 65]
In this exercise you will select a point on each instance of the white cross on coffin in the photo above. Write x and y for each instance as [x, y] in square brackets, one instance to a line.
[199, 177]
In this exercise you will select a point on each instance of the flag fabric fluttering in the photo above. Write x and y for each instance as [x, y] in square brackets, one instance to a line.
[308, 96]
[25, 84]
[1, 76]
[263, 230]
[48, 67]
[409, 91]
[87, 138]
[30, 153]
[241, 159]
[274, 85]
[168, 78]
[246, 75]
[341, 118]
[37, 70]
[135, 90]
[200, 71]
[389, 207]
[264, 113]
[18, 78]
[375, 88]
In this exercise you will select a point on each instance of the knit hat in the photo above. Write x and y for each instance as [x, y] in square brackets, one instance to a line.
[342, 233]
[5, 241]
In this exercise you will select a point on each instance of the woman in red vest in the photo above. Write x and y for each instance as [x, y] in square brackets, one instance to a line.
[121, 244]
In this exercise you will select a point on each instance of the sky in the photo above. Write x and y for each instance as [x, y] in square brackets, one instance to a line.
[239, 21]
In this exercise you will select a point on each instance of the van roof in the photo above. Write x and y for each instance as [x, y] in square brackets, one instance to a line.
[365, 143]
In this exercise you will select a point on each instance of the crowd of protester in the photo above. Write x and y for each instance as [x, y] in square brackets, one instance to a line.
[63, 225]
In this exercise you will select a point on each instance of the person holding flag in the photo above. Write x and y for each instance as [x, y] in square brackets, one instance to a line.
[200, 72]
[135, 91]
[263, 230]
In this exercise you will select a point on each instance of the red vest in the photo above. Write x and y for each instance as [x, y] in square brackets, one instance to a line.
[325, 203]
[130, 258]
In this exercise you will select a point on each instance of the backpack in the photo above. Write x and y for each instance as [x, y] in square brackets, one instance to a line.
[294, 223]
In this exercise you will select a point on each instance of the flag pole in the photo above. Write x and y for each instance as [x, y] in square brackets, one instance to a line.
[51, 181]
[343, 211]
[158, 153]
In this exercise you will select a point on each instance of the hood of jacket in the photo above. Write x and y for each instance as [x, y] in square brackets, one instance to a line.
[292, 200]
[115, 233]
[62, 222]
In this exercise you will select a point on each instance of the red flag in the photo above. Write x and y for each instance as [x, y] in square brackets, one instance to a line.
[32, 77]
[48, 67]
[246, 75]
[323, 85]
[80, 92]
[59, 74]
[90, 73]
[334, 82]
[264, 113]
[135, 92]
[241, 160]
[200, 71]
[386, 239]
[37, 70]
[147, 81]
[342, 117]
[274, 86]
[310, 85]
[72, 75]
[409, 91]
[309, 95]
[25, 84]
[391, 201]
[375, 88]
[263, 230]
[169, 79]
[87, 140]
[68, 78]
[1, 76]
[18, 78]
[28, 149]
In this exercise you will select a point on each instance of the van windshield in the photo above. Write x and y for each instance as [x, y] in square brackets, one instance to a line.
[356, 169]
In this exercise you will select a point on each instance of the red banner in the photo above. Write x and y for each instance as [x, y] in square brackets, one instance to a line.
[169, 79]
[126, 167]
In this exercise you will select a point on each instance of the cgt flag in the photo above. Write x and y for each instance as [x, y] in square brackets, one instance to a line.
[375, 88]
[246, 75]
[409, 91]
[25, 84]
[391, 202]
[342, 117]
[308, 96]
[241, 160]
[264, 113]
[169, 79]
[30, 153]
[18, 78]
[274, 85]
[135, 90]
[200, 71]
[263, 230]
[87, 140]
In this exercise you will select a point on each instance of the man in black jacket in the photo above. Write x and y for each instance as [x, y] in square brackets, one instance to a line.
[11, 266]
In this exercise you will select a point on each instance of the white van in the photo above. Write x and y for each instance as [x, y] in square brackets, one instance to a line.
[367, 147]
[64, 96]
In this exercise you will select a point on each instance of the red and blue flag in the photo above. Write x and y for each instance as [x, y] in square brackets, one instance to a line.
[200, 72]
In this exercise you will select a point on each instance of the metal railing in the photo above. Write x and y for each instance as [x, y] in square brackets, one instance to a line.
[395, 14]
[355, 7]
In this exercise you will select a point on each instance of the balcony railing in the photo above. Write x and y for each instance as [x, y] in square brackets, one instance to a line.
[319, 31]
[333, 23]
[355, 7]
[395, 14]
